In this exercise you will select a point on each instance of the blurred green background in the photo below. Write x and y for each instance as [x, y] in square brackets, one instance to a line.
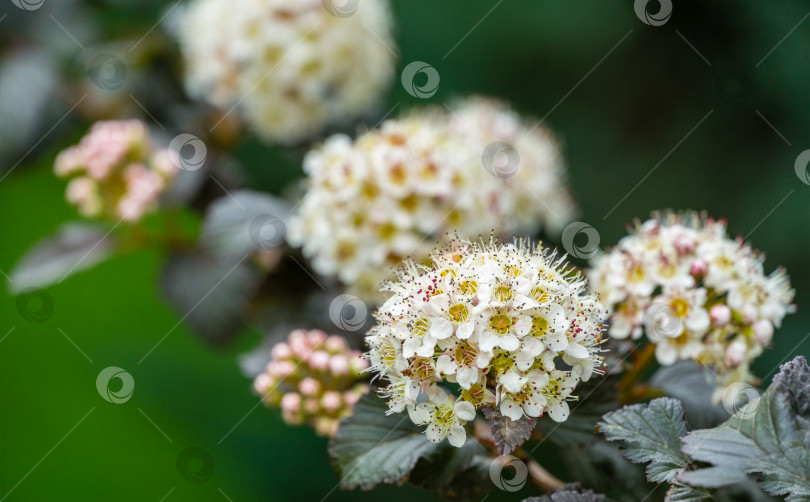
[708, 111]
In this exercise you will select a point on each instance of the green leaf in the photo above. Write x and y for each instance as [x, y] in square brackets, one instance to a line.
[569, 493]
[683, 493]
[209, 294]
[651, 433]
[73, 248]
[693, 385]
[244, 222]
[455, 472]
[762, 437]
[371, 447]
[508, 434]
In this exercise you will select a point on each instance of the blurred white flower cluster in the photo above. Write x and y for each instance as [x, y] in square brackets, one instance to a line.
[314, 379]
[291, 68]
[116, 171]
[695, 293]
[394, 191]
[494, 319]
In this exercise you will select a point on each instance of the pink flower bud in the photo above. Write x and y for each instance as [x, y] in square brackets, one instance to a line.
[763, 332]
[291, 402]
[720, 315]
[319, 360]
[262, 384]
[749, 314]
[309, 386]
[684, 244]
[335, 343]
[331, 401]
[699, 268]
[280, 369]
[316, 337]
[350, 397]
[281, 351]
[339, 365]
[299, 343]
[311, 406]
[358, 363]
[735, 352]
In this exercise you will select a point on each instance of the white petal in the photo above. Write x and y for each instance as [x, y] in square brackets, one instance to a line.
[666, 354]
[577, 351]
[457, 436]
[465, 329]
[510, 409]
[533, 346]
[437, 395]
[427, 347]
[466, 376]
[419, 414]
[511, 381]
[482, 361]
[444, 364]
[557, 342]
[698, 321]
[434, 433]
[523, 325]
[509, 342]
[558, 411]
[440, 328]
[488, 341]
[464, 410]
[524, 360]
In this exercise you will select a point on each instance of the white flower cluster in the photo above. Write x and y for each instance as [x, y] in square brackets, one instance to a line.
[496, 320]
[292, 68]
[395, 190]
[115, 170]
[695, 293]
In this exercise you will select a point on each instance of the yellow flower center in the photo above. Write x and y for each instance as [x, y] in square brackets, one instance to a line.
[459, 313]
[500, 323]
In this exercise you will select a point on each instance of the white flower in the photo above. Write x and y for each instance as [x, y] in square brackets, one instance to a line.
[291, 68]
[443, 416]
[492, 318]
[394, 190]
[698, 270]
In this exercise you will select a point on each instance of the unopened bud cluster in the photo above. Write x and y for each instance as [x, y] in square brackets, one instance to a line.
[115, 171]
[315, 379]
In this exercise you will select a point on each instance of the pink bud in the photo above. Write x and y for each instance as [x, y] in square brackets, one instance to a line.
[311, 406]
[299, 343]
[749, 314]
[684, 244]
[335, 343]
[309, 386]
[262, 384]
[735, 352]
[763, 332]
[291, 402]
[699, 268]
[280, 369]
[331, 401]
[720, 315]
[339, 365]
[281, 351]
[319, 360]
[316, 337]
[357, 362]
[350, 397]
